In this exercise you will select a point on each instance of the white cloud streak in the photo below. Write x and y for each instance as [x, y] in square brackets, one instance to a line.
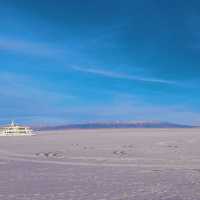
[120, 75]
[38, 49]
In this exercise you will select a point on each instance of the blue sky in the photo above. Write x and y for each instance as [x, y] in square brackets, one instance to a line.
[76, 61]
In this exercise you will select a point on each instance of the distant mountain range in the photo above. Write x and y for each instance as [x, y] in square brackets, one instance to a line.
[118, 124]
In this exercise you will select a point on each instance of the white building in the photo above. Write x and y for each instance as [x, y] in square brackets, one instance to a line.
[16, 130]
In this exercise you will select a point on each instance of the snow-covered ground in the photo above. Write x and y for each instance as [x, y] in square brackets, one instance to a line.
[106, 164]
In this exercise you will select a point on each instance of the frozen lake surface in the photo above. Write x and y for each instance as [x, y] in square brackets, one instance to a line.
[106, 164]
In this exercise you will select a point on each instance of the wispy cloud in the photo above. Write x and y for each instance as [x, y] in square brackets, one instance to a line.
[58, 54]
[121, 75]
[25, 100]
[22, 96]
[29, 47]
[27, 87]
